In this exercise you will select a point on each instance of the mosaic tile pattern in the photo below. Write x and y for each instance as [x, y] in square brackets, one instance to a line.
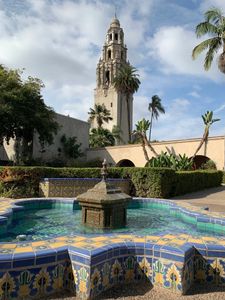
[71, 187]
[88, 265]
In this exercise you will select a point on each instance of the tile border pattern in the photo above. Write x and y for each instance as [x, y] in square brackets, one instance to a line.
[90, 264]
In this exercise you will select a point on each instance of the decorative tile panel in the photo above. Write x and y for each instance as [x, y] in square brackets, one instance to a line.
[89, 265]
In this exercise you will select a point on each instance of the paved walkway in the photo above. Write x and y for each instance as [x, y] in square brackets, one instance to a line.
[213, 198]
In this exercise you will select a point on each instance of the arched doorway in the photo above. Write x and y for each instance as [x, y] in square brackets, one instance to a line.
[125, 163]
[199, 160]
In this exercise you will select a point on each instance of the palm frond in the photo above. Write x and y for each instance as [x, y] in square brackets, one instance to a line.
[127, 79]
[214, 14]
[204, 45]
[156, 106]
[213, 48]
[205, 28]
[215, 120]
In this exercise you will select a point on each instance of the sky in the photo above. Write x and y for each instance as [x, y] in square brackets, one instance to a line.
[60, 42]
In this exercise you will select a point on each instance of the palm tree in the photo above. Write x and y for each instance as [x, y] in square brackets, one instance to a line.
[140, 131]
[117, 132]
[155, 107]
[100, 113]
[214, 26]
[208, 121]
[101, 137]
[127, 82]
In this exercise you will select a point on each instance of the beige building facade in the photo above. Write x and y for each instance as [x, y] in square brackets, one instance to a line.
[114, 55]
[133, 154]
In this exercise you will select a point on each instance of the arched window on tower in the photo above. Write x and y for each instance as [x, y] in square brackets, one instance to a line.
[121, 37]
[116, 36]
[109, 54]
[110, 36]
[107, 77]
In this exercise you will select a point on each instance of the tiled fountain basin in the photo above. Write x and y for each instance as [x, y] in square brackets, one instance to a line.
[88, 265]
[71, 187]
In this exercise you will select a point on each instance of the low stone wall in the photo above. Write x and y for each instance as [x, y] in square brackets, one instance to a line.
[71, 187]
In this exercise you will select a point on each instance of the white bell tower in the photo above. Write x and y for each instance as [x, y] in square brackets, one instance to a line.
[114, 55]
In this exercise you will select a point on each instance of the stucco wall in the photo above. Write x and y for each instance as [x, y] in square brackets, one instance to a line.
[215, 151]
[68, 126]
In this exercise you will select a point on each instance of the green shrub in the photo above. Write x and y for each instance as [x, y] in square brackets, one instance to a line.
[209, 165]
[18, 182]
[191, 181]
[224, 177]
[151, 182]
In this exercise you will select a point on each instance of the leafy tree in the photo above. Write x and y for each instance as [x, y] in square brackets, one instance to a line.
[141, 128]
[214, 26]
[208, 121]
[101, 137]
[127, 82]
[155, 107]
[23, 112]
[100, 113]
[70, 147]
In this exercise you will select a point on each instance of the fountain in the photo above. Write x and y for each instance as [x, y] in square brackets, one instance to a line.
[104, 206]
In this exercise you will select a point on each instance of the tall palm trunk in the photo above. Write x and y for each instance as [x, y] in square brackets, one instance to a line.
[121, 110]
[149, 145]
[128, 116]
[150, 127]
[203, 140]
[144, 150]
[221, 61]
[206, 143]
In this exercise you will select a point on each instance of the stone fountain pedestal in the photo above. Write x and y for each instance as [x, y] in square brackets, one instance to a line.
[104, 206]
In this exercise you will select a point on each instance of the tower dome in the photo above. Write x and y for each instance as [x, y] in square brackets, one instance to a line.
[115, 22]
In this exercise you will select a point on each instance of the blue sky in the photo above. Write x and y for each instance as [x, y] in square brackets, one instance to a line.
[60, 41]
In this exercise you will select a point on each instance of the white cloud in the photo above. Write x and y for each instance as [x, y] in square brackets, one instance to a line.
[182, 103]
[219, 109]
[172, 48]
[177, 122]
[206, 4]
[60, 42]
[194, 94]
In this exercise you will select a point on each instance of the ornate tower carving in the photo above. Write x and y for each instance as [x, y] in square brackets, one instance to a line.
[114, 55]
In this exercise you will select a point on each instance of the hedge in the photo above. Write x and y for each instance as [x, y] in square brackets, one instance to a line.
[224, 177]
[151, 182]
[191, 181]
[145, 182]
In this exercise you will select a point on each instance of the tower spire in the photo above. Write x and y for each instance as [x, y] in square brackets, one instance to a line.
[115, 11]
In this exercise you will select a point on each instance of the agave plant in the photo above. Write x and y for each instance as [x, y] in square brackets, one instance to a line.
[165, 160]
[184, 163]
